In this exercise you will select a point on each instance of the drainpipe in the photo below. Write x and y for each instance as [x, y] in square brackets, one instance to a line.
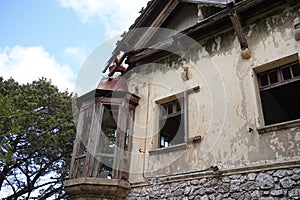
[146, 134]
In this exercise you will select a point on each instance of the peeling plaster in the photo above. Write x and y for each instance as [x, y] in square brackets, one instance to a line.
[230, 145]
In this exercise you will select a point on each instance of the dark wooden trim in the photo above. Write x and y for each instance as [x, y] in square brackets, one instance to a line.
[280, 77]
[217, 3]
[211, 26]
[292, 2]
[235, 19]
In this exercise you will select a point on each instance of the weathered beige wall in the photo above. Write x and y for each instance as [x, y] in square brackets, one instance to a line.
[225, 107]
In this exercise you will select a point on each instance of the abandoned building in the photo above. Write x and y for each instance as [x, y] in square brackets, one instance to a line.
[201, 102]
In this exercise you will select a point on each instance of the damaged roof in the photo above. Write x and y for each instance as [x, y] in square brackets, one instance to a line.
[245, 9]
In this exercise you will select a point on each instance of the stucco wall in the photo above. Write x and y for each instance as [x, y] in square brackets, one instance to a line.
[224, 109]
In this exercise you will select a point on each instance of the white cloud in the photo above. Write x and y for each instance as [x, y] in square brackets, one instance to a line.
[74, 51]
[76, 56]
[117, 15]
[25, 64]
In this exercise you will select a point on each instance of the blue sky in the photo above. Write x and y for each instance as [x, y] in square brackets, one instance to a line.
[52, 38]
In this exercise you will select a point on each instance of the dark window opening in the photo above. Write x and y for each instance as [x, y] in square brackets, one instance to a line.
[171, 123]
[264, 80]
[107, 141]
[281, 103]
[172, 131]
[170, 108]
[286, 73]
[109, 127]
[280, 100]
[273, 77]
[296, 69]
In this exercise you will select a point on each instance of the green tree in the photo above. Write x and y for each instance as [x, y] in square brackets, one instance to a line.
[36, 133]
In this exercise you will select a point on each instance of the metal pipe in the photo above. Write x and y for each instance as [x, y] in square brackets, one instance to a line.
[145, 139]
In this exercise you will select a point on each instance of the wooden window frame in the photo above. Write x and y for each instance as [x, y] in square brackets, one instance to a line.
[174, 109]
[87, 162]
[166, 114]
[279, 76]
[278, 66]
[181, 95]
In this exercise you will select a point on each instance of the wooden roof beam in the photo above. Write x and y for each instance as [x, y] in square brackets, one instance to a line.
[219, 3]
[292, 2]
[235, 19]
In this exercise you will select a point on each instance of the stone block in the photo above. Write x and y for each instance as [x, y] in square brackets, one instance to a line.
[277, 193]
[264, 181]
[287, 183]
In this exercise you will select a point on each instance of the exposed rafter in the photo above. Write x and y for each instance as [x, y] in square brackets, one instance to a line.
[238, 29]
[143, 21]
[233, 15]
[221, 3]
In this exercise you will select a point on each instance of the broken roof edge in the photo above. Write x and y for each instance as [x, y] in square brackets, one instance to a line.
[100, 93]
[146, 18]
[217, 3]
[218, 18]
[238, 6]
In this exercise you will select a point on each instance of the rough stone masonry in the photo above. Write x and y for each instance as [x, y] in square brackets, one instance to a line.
[265, 185]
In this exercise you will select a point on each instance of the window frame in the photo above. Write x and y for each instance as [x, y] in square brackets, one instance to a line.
[181, 95]
[126, 104]
[277, 64]
[174, 113]
[279, 75]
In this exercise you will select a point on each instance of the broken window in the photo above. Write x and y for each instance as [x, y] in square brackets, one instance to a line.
[82, 140]
[280, 93]
[104, 135]
[171, 123]
[107, 141]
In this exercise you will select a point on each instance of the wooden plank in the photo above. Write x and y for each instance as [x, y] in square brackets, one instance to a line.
[209, 2]
[130, 140]
[292, 2]
[166, 11]
[92, 144]
[77, 144]
[116, 164]
[97, 134]
[238, 29]
[123, 165]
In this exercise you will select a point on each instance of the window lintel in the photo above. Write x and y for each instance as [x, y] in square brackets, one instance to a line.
[176, 96]
[276, 63]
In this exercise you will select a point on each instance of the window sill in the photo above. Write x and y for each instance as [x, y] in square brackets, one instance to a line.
[168, 149]
[279, 126]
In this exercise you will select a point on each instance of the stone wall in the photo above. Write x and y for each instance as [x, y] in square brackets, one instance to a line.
[272, 184]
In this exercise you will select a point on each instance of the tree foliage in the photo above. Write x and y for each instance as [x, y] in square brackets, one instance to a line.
[36, 138]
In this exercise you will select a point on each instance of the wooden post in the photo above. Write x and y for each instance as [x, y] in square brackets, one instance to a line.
[238, 29]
